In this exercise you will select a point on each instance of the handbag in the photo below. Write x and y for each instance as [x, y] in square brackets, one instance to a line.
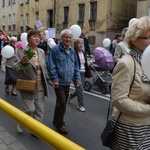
[28, 86]
[108, 134]
[88, 73]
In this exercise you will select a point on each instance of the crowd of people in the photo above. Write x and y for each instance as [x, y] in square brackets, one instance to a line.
[66, 64]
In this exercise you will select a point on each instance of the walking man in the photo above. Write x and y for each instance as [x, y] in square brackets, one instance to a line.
[63, 68]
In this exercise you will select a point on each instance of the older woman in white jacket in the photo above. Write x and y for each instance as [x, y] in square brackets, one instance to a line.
[133, 128]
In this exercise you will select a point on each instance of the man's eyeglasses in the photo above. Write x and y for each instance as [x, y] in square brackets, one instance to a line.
[146, 38]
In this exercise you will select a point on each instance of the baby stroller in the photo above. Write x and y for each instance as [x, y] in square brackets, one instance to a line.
[101, 68]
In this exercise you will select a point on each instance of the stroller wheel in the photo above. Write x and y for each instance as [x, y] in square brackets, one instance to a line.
[104, 90]
[87, 86]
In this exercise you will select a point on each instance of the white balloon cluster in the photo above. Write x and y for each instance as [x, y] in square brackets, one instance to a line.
[46, 34]
[51, 43]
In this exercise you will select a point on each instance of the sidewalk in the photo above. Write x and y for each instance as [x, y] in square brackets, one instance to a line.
[8, 142]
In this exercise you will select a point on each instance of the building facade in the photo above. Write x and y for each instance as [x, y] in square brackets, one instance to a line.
[143, 8]
[101, 18]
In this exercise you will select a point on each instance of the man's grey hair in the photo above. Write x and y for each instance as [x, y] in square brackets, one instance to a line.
[66, 31]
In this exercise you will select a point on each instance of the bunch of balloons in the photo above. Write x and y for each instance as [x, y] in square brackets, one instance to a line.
[46, 34]
[51, 43]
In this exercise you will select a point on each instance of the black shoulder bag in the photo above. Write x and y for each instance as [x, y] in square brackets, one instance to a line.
[107, 136]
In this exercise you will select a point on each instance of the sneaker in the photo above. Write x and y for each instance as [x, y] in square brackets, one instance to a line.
[69, 98]
[81, 108]
[19, 128]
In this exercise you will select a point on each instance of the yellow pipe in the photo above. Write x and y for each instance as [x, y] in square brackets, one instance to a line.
[51, 137]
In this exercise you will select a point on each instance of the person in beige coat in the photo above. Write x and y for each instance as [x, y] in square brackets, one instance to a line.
[33, 103]
[121, 48]
[132, 131]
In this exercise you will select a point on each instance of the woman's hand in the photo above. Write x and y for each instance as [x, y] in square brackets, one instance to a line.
[24, 60]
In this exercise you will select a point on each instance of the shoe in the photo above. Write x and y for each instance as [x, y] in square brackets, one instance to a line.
[19, 128]
[62, 129]
[34, 135]
[69, 98]
[81, 108]
[6, 91]
[13, 93]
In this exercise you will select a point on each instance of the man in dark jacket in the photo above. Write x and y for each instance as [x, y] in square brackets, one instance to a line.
[86, 47]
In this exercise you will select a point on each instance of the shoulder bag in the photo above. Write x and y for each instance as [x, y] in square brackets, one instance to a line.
[28, 86]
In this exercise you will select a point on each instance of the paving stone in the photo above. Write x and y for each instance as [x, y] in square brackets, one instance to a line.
[3, 147]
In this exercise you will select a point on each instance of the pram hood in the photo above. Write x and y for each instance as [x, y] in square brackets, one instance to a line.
[103, 57]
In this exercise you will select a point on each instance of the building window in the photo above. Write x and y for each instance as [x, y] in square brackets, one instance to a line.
[93, 11]
[37, 16]
[66, 14]
[26, 1]
[21, 29]
[27, 19]
[9, 27]
[14, 27]
[3, 28]
[3, 20]
[66, 17]
[21, 2]
[3, 4]
[21, 20]
[50, 18]
[13, 1]
[81, 12]
[9, 19]
[14, 19]
[9, 2]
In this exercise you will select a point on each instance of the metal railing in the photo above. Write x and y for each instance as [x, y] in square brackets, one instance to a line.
[51, 137]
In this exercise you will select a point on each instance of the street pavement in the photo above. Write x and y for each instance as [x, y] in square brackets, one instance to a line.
[8, 142]
[91, 124]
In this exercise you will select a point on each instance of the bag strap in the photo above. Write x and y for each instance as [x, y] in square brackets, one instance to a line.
[108, 112]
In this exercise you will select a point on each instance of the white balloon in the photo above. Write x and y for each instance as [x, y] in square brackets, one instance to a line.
[46, 31]
[132, 21]
[106, 42]
[50, 40]
[76, 31]
[46, 36]
[23, 38]
[7, 51]
[145, 61]
[52, 44]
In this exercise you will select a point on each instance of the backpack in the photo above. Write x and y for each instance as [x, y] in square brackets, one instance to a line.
[103, 58]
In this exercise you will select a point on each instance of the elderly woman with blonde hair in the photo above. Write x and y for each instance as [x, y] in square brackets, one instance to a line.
[130, 92]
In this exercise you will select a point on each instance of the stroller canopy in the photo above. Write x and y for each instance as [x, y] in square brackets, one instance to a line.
[103, 58]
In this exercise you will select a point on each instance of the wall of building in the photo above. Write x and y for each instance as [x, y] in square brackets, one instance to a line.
[143, 8]
[112, 16]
